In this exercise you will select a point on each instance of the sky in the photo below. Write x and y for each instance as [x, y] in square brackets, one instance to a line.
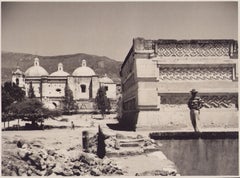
[108, 28]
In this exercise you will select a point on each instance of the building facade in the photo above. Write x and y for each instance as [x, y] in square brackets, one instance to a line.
[50, 88]
[157, 76]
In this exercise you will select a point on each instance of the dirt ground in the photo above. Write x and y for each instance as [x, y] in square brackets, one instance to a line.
[66, 138]
[62, 137]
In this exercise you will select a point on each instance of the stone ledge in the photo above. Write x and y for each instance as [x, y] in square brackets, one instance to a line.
[194, 135]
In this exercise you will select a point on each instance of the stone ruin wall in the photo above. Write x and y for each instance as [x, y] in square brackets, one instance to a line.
[203, 73]
[209, 66]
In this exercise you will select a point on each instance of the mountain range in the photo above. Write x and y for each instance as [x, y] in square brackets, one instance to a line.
[100, 64]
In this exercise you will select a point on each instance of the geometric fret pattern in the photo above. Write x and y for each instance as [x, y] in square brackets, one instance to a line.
[210, 101]
[220, 101]
[195, 73]
[193, 50]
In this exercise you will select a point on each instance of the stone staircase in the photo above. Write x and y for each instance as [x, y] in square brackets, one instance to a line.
[132, 146]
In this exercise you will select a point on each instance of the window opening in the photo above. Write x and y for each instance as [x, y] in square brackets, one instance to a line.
[17, 81]
[83, 88]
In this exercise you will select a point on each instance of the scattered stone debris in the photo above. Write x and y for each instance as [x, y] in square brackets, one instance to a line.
[157, 173]
[29, 160]
[120, 145]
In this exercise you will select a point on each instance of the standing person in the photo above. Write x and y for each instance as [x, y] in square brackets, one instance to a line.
[72, 125]
[101, 146]
[195, 103]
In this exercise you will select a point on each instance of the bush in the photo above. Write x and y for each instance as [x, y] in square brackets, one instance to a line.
[31, 110]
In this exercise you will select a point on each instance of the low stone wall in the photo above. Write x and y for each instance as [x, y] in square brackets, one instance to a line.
[172, 119]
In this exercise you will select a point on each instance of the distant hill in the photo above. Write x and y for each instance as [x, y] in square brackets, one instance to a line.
[100, 64]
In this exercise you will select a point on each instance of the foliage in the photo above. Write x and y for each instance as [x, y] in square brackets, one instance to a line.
[69, 103]
[30, 110]
[31, 93]
[11, 93]
[102, 102]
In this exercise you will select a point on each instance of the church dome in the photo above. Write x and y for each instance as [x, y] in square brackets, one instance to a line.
[105, 79]
[83, 70]
[36, 69]
[60, 71]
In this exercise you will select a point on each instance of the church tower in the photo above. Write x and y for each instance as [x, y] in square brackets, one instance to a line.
[18, 78]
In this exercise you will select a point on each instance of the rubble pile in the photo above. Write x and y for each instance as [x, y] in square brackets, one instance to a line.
[120, 145]
[158, 173]
[32, 160]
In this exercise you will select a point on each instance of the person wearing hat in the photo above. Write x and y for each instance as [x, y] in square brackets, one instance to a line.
[195, 103]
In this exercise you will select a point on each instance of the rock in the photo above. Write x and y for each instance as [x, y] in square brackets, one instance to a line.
[6, 172]
[37, 144]
[29, 172]
[21, 171]
[13, 173]
[153, 141]
[95, 172]
[74, 155]
[25, 146]
[117, 146]
[43, 164]
[67, 172]
[50, 162]
[120, 136]
[38, 172]
[42, 153]
[118, 172]
[48, 172]
[77, 165]
[20, 143]
[76, 172]
[110, 143]
[51, 151]
[170, 170]
[53, 174]
[106, 161]
[139, 136]
[23, 153]
[58, 169]
[153, 173]
[88, 158]
[106, 169]
[35, 160]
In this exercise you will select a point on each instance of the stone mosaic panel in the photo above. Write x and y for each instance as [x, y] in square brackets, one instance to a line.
[210, 101]
[195, 73]
[193, 50]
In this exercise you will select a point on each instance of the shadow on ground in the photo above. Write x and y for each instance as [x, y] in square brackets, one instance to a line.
[46, 127]
[119, 127]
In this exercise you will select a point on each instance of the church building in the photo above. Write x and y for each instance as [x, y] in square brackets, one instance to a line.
[50, 88]
[158, 75]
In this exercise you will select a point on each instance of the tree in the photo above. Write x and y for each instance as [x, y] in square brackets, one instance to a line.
[103, 103]
[31, 93]
[69, 103]
[11, 93]
[31, 110]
